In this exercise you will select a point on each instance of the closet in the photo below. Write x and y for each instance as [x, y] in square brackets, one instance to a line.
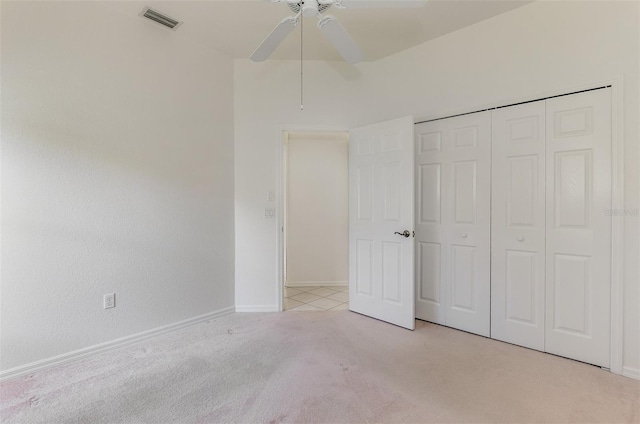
[543, 215]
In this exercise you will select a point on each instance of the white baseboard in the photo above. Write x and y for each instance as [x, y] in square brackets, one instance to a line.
[317, 283]
[259, 308]
[108, 346]
[631, 372]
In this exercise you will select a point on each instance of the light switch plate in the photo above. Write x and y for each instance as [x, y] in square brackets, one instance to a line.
[109, 300]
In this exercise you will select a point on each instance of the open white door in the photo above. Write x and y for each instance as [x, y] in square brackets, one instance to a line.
[381, 222]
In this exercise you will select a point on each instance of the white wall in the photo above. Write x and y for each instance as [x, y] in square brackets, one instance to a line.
[267, 99]
[117, 176]
[531, 51]
[317, 218]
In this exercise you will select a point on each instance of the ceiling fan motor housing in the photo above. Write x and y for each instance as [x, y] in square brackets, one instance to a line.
[308, 7]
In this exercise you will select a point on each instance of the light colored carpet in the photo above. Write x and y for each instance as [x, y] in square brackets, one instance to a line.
[326, 367]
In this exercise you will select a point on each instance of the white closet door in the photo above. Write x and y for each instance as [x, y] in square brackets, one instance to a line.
[469, 211]
[453, 227]
[578, 250]
[381, 205]
[433, 161]
[518, 225]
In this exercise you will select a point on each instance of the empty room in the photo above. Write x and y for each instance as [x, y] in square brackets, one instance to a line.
[327, 211]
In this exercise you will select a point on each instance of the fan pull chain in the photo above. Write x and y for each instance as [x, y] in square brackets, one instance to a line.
[301, 61]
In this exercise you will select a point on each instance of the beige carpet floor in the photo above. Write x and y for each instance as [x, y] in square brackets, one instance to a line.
[321, 367]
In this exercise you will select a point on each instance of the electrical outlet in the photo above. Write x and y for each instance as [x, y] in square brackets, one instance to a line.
[109, 300]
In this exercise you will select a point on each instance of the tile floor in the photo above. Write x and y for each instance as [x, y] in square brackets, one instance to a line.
[316, 298]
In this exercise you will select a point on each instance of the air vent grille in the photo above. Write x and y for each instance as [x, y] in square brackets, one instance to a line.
[160, 18]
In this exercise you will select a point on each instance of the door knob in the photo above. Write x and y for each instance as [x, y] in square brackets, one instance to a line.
[463, 235]
[520, 238]
[405, 233]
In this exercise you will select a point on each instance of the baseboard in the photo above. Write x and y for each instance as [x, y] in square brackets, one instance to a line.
[108, 346]
[259, 308]
[317, 283]
[631, 372]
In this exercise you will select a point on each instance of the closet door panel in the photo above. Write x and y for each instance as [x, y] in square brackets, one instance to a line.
[468, 284]
[432, 163]
[518, 225]
[578, 253]
[453, 222]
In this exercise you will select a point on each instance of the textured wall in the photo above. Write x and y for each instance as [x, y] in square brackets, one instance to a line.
[317, 225]
[117, 176]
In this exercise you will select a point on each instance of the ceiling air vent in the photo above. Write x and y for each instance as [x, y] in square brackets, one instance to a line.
[160, 18]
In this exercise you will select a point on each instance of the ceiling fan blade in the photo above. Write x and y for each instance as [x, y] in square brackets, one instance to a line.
[361, 4]
[340, 39]
[274, 39]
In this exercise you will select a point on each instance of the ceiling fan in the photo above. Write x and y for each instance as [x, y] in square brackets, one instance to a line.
[329, 26]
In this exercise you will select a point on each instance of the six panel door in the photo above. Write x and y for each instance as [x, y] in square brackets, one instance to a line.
[518, 225]
[433, 163]
[381, 208]
[578, 271]
[453, 225]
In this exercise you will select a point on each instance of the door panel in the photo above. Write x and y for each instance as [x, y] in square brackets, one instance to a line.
[453, 229]
[571, 296]
[578, 252]
[381, 187]
[522, 191]
[364, 267]
[464, 192]
[468, 233]
[392, 272]
[364, 192]
[573, 176]
[429, 259]
[429, 188]
[522, 285]
[433, 162]
[392, 179]
[462, 282]
[518, 225]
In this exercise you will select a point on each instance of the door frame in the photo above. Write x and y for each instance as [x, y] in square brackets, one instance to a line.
[617, 197]
[280, 198]
[616, 362]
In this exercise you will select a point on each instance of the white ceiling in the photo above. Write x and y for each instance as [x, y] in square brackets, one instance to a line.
[237, 27]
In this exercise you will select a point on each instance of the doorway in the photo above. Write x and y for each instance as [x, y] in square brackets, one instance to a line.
[316, 221]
